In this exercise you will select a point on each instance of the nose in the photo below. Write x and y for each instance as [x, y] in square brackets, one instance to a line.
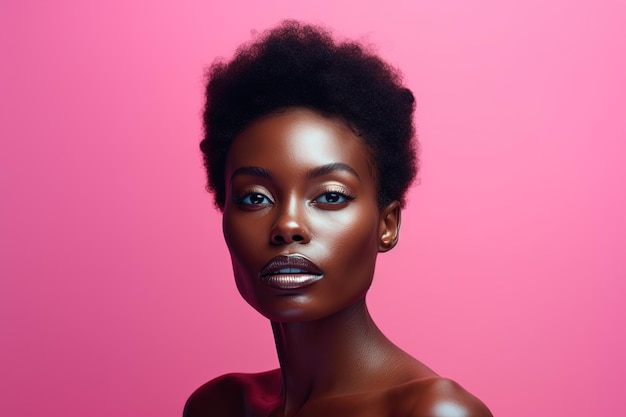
[290, 225]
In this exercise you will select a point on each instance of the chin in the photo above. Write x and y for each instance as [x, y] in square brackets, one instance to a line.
[302, 308]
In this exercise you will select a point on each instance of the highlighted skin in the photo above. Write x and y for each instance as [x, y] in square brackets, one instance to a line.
[304, 228]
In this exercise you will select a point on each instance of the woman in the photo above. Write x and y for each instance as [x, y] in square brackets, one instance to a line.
[309, 152]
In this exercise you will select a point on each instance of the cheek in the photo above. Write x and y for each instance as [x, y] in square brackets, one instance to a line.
[240, 233]
[241, 238]
[230, 231]
[351, 232]
[352, 245]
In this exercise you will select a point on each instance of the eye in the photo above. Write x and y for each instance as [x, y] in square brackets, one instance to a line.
[333, 198]
[254, 199]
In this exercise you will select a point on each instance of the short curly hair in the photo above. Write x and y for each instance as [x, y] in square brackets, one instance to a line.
[300, 65]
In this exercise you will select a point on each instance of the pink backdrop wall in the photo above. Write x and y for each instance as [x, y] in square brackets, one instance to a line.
[116, 297]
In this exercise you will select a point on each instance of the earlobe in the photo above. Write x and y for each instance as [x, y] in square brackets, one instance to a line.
[389, 226]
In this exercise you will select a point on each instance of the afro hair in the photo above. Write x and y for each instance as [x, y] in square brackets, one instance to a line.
[300, 65]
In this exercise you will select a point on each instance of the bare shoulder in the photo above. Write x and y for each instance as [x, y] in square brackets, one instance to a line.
[441, 397]
[232, 394]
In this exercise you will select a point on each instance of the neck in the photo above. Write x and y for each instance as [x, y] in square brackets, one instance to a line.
[331, 356]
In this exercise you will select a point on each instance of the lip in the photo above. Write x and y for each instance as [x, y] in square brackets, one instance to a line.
[287, 272]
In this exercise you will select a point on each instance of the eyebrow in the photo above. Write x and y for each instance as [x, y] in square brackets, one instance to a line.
[314, 173]
[330, 168]
[254, 171]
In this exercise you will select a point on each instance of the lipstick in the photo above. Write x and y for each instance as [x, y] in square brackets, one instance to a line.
[288, 272]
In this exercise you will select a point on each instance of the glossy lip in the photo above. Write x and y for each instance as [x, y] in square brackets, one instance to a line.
[309, 272]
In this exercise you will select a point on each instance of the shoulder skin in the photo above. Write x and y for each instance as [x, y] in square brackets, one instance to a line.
[442, 397]
[217, 397]
[228, 395]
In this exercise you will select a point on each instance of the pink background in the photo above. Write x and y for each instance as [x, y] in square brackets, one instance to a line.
[116, 296]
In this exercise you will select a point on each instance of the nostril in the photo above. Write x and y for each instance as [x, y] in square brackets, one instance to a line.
[297, 238]
[279, 238]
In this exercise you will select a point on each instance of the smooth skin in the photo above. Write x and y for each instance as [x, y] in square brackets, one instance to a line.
[299, 183]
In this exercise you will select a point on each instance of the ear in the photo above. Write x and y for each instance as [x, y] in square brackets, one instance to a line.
[389, 226]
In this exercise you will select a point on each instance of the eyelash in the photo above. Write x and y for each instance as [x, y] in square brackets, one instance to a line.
[265, 200]
[342, 194]
[240, 201]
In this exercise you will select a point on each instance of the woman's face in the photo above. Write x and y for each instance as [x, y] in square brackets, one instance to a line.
[301, 218]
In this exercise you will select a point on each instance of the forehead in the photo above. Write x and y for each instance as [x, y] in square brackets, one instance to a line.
[300, 138]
